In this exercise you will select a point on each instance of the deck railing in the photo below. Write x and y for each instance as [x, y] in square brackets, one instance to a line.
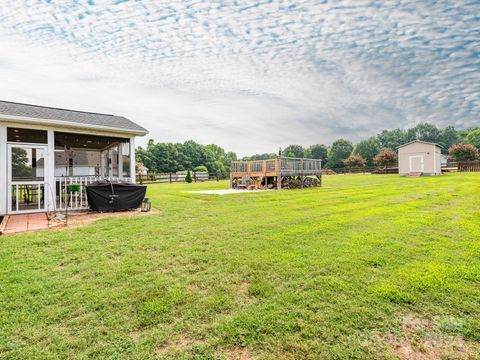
[300, 166]
[288, 166]
[78, 200]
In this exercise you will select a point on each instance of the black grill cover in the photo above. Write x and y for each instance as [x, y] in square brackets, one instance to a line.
[104, 196]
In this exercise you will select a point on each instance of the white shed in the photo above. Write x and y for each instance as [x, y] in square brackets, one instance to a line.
[419, 158]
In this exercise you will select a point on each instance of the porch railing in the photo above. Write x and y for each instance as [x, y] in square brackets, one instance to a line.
[77, 200]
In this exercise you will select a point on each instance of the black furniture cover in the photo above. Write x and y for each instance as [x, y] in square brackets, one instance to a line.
[106, 196]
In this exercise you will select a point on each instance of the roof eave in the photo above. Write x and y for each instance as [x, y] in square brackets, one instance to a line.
[71, 124]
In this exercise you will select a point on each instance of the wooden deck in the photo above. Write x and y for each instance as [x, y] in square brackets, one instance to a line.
[275, 172]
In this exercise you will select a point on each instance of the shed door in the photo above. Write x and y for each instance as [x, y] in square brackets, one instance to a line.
[416, 163]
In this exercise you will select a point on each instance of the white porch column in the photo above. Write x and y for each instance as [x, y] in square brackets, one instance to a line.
[3, 169]
[50, 185]
[120, 161]
[133, 174]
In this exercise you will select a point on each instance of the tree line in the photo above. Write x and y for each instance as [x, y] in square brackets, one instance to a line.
[381, 148]
[376, 150]
[173, 157]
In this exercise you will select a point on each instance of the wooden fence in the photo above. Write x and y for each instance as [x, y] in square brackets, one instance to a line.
[469, 166]
[361, 170]
[174, 177]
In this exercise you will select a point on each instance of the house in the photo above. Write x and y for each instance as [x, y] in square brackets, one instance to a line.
[44, 150]
[419, 158]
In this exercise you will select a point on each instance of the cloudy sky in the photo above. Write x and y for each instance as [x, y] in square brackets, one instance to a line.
[247, 75]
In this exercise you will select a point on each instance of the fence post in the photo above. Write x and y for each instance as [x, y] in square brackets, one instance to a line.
[170, 177]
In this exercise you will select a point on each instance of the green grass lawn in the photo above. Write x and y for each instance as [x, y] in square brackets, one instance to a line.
[368, 266]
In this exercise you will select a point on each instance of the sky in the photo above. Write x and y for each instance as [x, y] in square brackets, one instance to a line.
[249, 76]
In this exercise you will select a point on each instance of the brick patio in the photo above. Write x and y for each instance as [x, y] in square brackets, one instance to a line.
[26, 222]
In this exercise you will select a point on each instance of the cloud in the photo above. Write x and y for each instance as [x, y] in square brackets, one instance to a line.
[248, 77]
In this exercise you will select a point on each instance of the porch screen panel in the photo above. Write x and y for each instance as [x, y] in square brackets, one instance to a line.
[27, 164]
[125, 159]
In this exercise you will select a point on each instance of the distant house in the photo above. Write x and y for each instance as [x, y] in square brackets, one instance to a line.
[45, 149]
[419, 158]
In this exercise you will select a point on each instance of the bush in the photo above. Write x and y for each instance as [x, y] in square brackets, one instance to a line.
[201, 168]
[463, 152]
[188, 178]
[386, 157]
[355, 161]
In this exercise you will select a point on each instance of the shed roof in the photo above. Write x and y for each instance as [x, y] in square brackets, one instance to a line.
[87, 119]
[420, 141]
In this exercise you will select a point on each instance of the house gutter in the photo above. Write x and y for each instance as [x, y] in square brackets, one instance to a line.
[50, 122]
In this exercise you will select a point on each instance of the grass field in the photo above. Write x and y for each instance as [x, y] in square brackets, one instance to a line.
[369, 266]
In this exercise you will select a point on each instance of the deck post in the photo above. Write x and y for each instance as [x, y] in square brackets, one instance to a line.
[278, 169]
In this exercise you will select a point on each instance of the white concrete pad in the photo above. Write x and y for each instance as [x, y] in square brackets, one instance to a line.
[226, 192]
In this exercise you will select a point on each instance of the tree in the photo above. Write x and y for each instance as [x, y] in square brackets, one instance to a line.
[20, 163]
[294, 151]
[318, 151]
[473, 137]
[354, 161]
[188, 178]
[265, 156]
[367, 149]
[449, 137]
[170, 157]
[340, 150]
[463, 152]
[425, 132]
[392, 139]
[386, 157]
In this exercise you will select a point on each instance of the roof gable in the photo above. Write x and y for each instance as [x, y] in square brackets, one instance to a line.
[89, 119]
[420, 141]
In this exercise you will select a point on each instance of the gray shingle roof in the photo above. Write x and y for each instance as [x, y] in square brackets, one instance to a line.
[72, 116]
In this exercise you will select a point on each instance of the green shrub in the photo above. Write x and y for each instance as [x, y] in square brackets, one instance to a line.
[188, 178]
